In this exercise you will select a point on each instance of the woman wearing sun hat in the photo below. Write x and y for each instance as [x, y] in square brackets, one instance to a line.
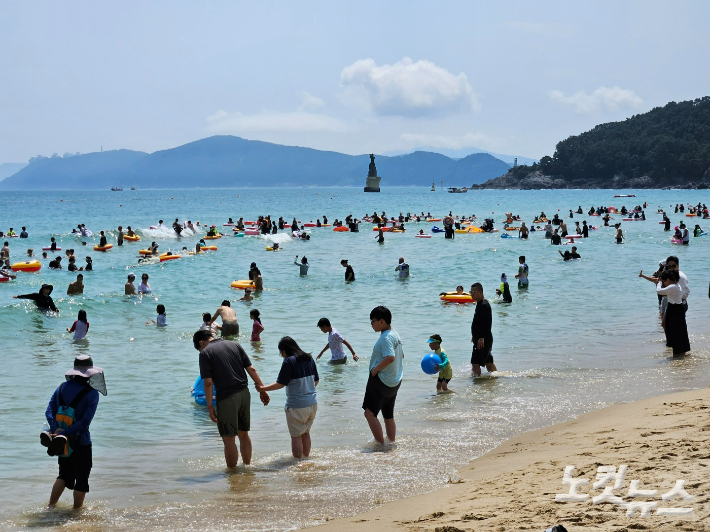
[80, 392]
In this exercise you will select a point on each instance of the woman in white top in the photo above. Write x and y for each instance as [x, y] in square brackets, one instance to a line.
[144, 287]
[675, 325]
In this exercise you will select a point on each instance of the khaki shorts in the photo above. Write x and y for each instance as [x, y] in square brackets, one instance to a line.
[300, 420]
[233, 413]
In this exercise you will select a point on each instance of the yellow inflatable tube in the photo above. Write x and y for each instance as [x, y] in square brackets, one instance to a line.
[455, 297]
[242, 284]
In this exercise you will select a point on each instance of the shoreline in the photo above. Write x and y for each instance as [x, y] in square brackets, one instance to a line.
[662, 439]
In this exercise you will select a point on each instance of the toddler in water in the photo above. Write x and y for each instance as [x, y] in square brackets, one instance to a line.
[161, 320]
[257, 328]
[445, 370]
[80, 326]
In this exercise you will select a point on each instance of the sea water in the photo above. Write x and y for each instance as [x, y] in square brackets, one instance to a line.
[584, 335]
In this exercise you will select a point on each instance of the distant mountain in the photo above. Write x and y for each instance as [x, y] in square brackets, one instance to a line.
[227, 161]
[460, 153]
[667, 147]
[8, 169]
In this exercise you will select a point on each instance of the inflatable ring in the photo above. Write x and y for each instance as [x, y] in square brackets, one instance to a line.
[145, 252]
[4, 279]
[384, 229]
[269, 248]
[325, 225]
[103, 248]
[208, 248]
[252, 232]
[462, 231]
[474, 229]
[27, 266]
[691, 215]
[135, 238]
[423, 236]
[455, 297]
[212, 237]
[341, 229]
[165, 257]
[242, 284]
[512, 228]
[198, 393]
[432, 219]
[49, 248]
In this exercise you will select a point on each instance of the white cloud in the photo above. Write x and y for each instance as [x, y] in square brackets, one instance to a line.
[406, 88]
[296, 121]
[310, 102]
[604, 98]
[451, 142]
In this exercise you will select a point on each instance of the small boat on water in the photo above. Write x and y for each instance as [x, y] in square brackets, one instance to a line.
[454, 190]
[625, 196]
[432, 187]
[116, 189]
[133, 188]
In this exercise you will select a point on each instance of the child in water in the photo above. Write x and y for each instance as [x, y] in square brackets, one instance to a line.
[247, 295]
[445, 370]
[80, 326]
[504, 289]
[161, 320]
[257, 328]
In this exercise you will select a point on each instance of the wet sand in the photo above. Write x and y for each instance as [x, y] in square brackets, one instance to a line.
[661, 440]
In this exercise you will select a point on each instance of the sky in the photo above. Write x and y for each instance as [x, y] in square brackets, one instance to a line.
[512, 77]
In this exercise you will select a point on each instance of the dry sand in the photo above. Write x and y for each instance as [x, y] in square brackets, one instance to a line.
[513, 487]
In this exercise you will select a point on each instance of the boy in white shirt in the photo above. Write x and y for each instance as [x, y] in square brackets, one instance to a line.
[335, 343]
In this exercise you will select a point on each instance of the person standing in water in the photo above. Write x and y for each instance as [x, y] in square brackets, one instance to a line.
[303, 265]
[619, 234]
[230, 326]
[522, 275]
[349, 272]
[402, 268]
[385, 377]
[481, 332]
[80, 392]
[224, 365]
[504, 289]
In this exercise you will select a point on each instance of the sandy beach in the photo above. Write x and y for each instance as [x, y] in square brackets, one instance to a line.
[661, 440]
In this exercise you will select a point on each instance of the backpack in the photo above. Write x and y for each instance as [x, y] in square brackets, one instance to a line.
[66, 415]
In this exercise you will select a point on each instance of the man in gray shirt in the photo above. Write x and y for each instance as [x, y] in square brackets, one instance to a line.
[224, 365]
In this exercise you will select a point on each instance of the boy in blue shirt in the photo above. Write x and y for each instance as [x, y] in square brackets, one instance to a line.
[385, 375]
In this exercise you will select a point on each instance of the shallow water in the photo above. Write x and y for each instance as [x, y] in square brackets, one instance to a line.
[584, 335]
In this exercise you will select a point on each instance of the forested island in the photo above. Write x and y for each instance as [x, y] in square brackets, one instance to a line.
[668, 147]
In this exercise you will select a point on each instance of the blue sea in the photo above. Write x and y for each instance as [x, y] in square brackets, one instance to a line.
[584, 335]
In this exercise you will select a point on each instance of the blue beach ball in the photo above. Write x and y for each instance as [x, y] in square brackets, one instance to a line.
[430, 363]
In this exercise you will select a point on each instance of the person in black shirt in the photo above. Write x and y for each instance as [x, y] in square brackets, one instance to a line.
[349, 272]
[555, 239]
[56, 264]
[224, 365]
[481, 334]
[585, 229]
[42, 299]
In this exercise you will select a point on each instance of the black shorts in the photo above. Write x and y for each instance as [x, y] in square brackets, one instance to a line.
[482, 356]
[380, 397]
[443, 380]
[75, 469]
